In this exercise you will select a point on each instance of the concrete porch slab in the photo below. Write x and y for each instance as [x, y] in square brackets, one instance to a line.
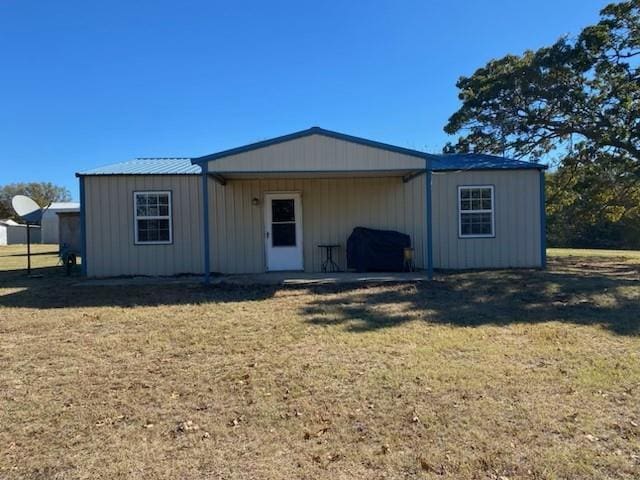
[302, 278]
[271, 278]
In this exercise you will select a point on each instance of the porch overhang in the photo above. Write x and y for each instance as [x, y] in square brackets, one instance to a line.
[316, 154]
[406, 174]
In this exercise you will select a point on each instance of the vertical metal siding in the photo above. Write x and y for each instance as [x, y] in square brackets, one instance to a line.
[110, 234]
[315, 153]
[517, 221]
[332, 207]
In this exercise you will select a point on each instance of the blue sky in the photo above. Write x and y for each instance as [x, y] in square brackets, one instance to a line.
[89, 83]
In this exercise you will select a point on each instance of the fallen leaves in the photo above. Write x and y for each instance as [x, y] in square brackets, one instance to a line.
[187, 427]
[235, 421]
[290, 402]
[428, 467]
[319, 433]
[110, 421]
[325, 459]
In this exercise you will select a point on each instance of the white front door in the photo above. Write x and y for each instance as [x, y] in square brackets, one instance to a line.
[283, 236]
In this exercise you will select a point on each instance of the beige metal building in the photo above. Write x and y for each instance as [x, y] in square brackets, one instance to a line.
[269, 205]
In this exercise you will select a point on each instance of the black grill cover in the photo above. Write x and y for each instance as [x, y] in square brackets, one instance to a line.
[371, 250]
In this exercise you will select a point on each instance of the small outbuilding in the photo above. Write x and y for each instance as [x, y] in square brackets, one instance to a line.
[14, 233]
[50, 222]
[268, 206]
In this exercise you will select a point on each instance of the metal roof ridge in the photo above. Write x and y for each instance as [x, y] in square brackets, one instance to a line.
[161, 158]
[304, 133]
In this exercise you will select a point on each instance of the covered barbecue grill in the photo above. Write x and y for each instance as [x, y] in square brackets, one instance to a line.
[370, 250]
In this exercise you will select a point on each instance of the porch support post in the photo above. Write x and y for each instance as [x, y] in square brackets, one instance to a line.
[83, 228]
[205, 220]
[428, 206]
[543, 222]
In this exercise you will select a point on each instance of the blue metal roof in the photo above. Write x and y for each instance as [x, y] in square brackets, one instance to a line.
[443, 162]
[478, 161]
[147, 166]
[188, 166]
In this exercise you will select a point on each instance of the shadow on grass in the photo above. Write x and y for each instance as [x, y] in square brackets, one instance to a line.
[575, 291]
[33, 254]
[580, 293]
[49, 276]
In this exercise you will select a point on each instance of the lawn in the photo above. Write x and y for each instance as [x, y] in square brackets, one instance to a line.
[478, 375]
[621, 255]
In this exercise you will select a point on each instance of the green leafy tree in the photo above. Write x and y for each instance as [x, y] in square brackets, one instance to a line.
[585, 91]
[593, 204]
[42, 192]
[577, 101]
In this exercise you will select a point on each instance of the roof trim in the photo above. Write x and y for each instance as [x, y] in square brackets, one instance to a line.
[193, 166]
[459, 162]
[493, 169]
[137, 174]
[361, 141]
[306, 133]
[146, 166]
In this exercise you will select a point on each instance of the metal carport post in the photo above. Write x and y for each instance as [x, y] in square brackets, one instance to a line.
[205, 214]
[428, 205]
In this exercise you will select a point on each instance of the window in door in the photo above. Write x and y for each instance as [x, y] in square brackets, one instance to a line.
[283, 223]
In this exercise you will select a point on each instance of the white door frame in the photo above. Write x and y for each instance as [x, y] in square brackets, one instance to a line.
[286, 257]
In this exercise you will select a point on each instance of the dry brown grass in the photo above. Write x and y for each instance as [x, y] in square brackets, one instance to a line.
[624, 255]
[516, 374]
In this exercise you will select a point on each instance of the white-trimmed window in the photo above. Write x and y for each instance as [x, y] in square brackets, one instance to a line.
[152, 218]
[476, 211]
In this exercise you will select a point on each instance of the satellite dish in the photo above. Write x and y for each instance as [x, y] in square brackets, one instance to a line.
[27, 209]
[31, 213]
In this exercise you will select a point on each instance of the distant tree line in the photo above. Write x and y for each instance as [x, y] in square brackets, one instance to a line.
[596, 205]
[42, 192]
[577, 102]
